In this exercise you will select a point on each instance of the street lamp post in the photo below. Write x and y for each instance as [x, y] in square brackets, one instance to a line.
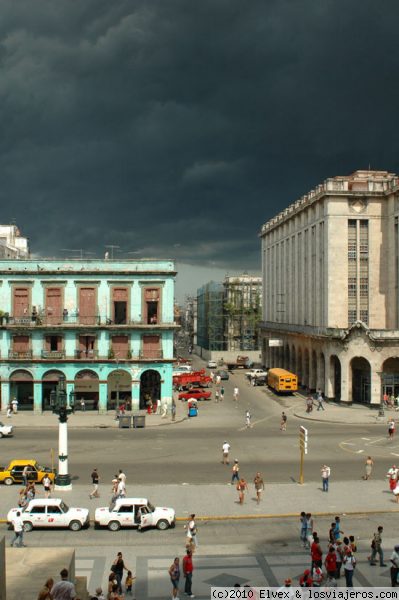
[59, 403]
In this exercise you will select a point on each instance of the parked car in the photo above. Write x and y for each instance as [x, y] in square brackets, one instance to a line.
[5, 430]
[51, 512]
[196, 393]
[134, 512]
[224, 375]
[211, 364]
[179, 369]
[13, 473]
[254, 374]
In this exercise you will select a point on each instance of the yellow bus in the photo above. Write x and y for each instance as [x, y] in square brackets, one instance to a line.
[281, 380]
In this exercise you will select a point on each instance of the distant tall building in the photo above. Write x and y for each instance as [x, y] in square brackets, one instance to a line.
[228, 314]
[331, 287]
[242, 311]
[12, 243]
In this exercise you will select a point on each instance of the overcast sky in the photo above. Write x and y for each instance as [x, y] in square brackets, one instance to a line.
[175, 128]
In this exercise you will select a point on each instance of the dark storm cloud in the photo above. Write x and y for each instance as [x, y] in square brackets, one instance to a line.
[176, 128]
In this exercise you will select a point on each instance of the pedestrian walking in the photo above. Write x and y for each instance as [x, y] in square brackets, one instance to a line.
[216, 396]
[25, 475]
[173, 409]
[14, 404]
[302, 528]
[158, 411]
[339, 557]
[94, 479]
[309, 404]
[188, 573]
[225, 453]
[18, 526]
[82, 404]
[174, 574]
[330, 563]
[129, 582]
[325, 477]
[114, 489]
[368, 467]
[283, 422]
[391, 429]
[349, 566]
[309, 530]
[64, 589]
[337, 529]
[122, 476]
[9, 410]
[218, 379]
[242, 487]
[394, 566]
[248, 420]
[235, 472]
[392, 476]
[320, 400]
[121, 489]
[236, 393]
[46, 481]
[376, 548]
[221, 394]
[316, 553]
[191, 528]
[259, 486]
[117, 567]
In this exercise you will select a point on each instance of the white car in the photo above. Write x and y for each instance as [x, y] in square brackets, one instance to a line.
[134, 512]
[212, 364]
[5, 430]
[181, 369]
[51, 512]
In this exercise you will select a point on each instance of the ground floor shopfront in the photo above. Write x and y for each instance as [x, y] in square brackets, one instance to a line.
[98, 387]
[356, 365]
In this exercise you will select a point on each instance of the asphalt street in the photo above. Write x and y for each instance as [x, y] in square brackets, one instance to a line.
[190, 451]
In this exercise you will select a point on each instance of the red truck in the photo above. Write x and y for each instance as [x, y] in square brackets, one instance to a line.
[242, 362]
[195, 379]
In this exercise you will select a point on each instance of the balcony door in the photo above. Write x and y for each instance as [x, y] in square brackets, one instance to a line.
[87, 305]
[120, 346]
[119, 303]
[53, 305]
[21, 302]
[151, 346]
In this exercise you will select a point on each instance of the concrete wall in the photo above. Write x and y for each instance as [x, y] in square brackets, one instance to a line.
[254, 355]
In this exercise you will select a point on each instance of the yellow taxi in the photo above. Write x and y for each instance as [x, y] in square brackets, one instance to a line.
[35, 472]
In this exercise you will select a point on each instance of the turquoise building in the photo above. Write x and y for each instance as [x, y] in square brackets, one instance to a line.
[107, 325]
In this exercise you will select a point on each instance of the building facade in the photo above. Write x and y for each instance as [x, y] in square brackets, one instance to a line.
[242, 310]
[107, 325]
[330, 270]
[12, 243]
[210, 318]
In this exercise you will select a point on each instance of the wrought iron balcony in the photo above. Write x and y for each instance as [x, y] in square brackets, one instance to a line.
[25, 355]
[56, 354]
[150, 354]
[86, 354]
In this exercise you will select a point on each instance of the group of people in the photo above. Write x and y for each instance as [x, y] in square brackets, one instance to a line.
[312, 400]
[63, 589]
[240, 482]
[115, 580]
[186, 565]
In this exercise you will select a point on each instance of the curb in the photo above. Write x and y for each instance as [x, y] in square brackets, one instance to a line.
[98, 426]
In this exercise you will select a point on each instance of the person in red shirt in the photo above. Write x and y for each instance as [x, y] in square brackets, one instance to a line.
[188, 573]
[316, 552]
[331, 563]
[305, 580]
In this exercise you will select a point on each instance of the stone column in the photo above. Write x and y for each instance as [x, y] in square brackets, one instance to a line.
[37, 398]
[135, 395]
[328, 379]
[5, 394]
[345, 380]
[102, 398]
[376, 386]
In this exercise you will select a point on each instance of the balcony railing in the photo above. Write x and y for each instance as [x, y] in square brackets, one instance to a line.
[55, 354]
[86, 354]
[26, 354]
[150, 354]
[74, 320]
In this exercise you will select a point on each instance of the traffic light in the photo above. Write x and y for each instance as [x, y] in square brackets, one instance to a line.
[303, 439]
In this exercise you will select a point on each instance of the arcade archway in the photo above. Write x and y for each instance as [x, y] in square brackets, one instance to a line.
[150, 386]
[21, 388]
[86, 389]
[119, 389]
[50, 381]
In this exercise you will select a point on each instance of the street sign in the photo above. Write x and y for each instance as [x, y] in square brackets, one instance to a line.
[275, 343]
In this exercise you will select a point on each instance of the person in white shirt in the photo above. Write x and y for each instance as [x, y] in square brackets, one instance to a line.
[18, 524]
[225, 451]
[14, 405]
[46, 481]
[121, 489]
[236, 393]
[122, 476]
[325, 476]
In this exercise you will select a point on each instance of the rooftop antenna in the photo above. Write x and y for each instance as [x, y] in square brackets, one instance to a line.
[112, 247]
[80, 250]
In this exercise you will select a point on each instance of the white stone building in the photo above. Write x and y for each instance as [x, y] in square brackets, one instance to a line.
[331, 287]
[12, 243]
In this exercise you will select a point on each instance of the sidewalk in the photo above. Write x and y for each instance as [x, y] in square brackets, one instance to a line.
[349, 415]
[221, 501]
